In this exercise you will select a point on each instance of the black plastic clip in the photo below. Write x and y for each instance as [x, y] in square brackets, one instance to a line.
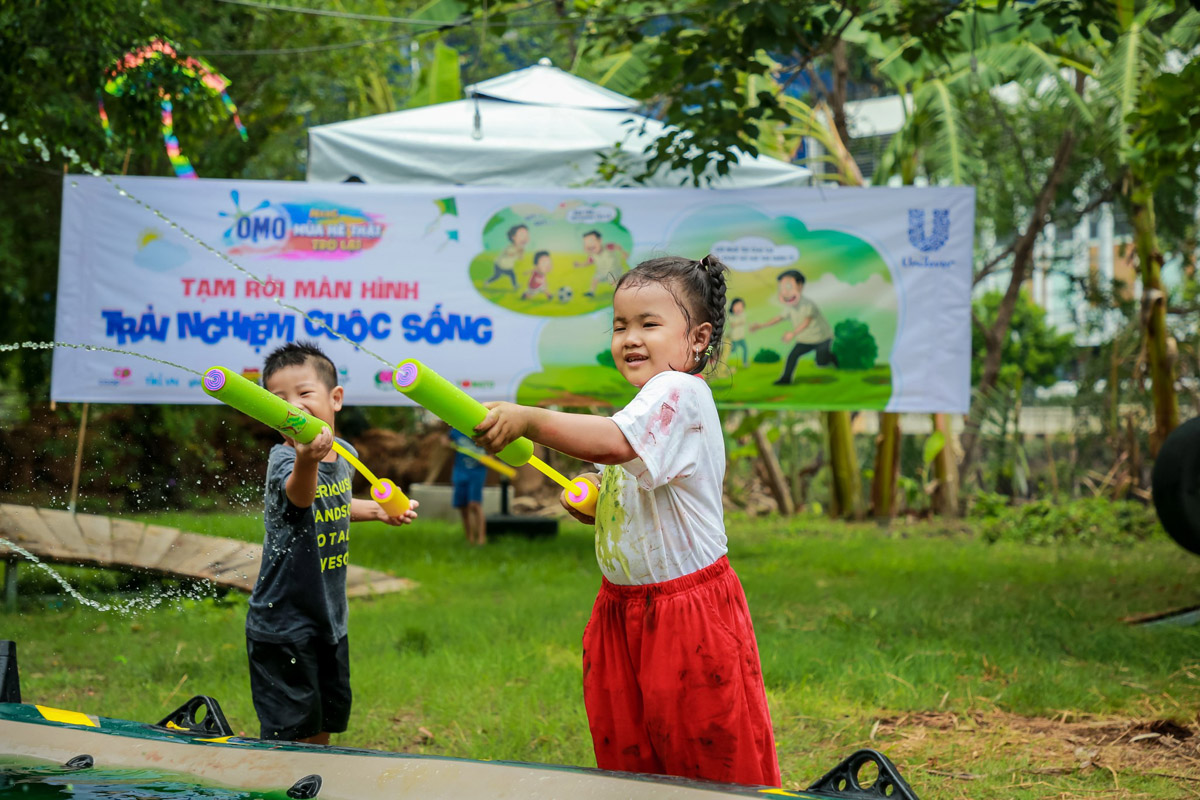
[186, 719]
[80, 762]
[844, 781]
[306, 788]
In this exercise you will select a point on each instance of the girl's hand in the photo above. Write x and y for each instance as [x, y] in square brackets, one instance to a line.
[504, 423]
[592, 478]
[404, 519]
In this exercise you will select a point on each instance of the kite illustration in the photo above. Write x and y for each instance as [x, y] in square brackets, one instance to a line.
[136, 71]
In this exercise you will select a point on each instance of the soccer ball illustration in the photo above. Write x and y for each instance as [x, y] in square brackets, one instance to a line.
[565, 294]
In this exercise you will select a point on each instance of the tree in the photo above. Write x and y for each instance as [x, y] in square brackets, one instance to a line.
[1032, 350]
[1154, 146]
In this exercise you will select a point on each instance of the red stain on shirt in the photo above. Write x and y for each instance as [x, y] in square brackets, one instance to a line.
[665, 416]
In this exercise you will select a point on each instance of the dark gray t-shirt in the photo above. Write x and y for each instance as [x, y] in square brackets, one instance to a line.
[301, 588]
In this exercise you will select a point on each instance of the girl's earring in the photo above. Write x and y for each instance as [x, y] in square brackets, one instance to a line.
[697, 358]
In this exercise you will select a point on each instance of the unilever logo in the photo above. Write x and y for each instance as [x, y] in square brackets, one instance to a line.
[935, 239]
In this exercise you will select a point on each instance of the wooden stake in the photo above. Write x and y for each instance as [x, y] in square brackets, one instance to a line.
[78, 460]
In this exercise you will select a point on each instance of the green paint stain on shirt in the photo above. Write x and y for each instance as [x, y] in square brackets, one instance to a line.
[610, 522]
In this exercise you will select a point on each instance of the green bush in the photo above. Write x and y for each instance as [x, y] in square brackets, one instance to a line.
[1091, 521]
[765, 356]
[606, 359]
[853, 345]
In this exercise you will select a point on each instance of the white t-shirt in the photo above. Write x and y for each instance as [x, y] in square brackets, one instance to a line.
[660, 515]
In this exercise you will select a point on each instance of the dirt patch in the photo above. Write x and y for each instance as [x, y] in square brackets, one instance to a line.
[1065, 745]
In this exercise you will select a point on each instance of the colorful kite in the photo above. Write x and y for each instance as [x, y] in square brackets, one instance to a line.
[445, 206]
[163, 56]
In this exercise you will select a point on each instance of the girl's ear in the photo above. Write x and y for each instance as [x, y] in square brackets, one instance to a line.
[701, 336]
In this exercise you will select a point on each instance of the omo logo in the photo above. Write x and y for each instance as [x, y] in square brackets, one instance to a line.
[935, 239]
[262, 226]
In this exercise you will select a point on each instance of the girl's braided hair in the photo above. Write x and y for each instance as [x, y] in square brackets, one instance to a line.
[699, 290]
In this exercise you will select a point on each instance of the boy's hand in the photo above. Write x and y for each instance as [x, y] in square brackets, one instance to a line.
[787, 337]
[317, 449]
[504, 423]
[592, 478]
[363, 510]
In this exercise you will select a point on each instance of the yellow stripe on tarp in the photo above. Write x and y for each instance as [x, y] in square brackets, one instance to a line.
[218, 740]
[69, 717]
[781, 792]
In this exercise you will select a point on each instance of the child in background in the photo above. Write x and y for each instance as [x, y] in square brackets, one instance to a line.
[737, 330]
[296, 627]
[468, 476]
[672, 681]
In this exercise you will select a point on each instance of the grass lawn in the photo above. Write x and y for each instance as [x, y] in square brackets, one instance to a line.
[983, 671]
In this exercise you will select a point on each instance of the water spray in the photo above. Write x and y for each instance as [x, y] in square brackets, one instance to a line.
[275, 412]
[463, 412]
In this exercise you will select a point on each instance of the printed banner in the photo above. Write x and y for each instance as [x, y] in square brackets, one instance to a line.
[837, 299]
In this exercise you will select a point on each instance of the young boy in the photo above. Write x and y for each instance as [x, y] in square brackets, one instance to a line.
[806, 325]
[296, 625]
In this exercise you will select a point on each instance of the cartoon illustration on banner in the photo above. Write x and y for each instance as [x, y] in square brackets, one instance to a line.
[557, 263]
[811, 316]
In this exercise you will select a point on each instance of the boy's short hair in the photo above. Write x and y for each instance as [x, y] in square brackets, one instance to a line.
[513, 230]
[297, 354]
[597, 234]
[538, 255]
[794, 274]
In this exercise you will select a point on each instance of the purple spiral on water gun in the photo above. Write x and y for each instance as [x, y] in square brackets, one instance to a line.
[214, 380]
[406, 375]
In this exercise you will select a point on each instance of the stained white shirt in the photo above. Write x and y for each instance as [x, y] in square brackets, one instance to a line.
[660, 515]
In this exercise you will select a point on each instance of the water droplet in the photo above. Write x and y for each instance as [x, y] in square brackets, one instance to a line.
[293, 661]
[270, 605]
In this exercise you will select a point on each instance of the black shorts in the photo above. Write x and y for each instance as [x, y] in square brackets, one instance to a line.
[300, 689]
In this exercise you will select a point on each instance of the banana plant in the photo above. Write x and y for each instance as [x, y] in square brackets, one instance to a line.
[1126, 67]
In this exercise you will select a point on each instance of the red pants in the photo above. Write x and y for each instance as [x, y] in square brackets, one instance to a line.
[672, 681]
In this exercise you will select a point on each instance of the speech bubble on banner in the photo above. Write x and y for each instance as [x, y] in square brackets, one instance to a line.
[591, 215]
[750, 253]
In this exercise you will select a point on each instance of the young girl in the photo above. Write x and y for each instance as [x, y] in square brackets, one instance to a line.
[672, 681]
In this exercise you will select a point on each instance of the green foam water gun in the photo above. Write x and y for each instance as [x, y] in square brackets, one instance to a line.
[256, 402]
[463, 412]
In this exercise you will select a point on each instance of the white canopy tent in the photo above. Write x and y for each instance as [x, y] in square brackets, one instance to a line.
[538, 126]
